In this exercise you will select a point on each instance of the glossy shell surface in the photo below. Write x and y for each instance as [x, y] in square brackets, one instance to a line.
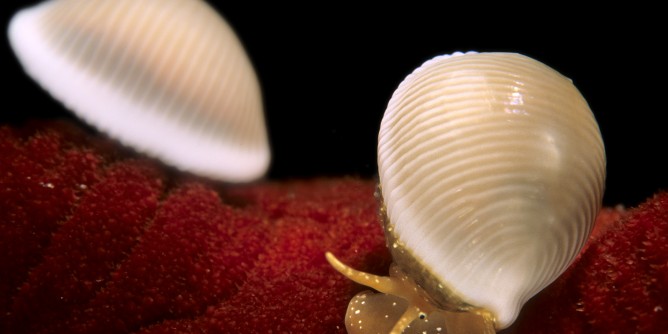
[492, 170]
[167, 77]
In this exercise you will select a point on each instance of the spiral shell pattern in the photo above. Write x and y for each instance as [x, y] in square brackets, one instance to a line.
[167, 77]
[492, 170]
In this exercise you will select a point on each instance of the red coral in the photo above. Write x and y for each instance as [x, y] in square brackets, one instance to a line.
[42, 176]
[95, 242]
[101, 244]
[619, 284]
[84, 250]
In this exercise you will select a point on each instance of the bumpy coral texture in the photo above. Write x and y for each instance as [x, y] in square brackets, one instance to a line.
[97, 240]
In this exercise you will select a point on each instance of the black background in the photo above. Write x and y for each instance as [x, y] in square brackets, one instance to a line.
[328, 71]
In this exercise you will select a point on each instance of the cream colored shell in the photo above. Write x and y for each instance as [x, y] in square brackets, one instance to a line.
[168, 77]
[492, 170]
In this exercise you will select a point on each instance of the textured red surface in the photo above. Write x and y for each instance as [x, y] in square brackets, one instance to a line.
[94, 241]
[619, 284]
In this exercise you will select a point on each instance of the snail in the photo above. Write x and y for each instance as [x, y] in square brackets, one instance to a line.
[166, 77]
[491, 170]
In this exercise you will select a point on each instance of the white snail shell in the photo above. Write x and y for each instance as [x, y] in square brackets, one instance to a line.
[167, 77]
[492, 170]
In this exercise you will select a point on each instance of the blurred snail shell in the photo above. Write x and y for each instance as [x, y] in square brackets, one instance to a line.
[166, 77]
[492, 170]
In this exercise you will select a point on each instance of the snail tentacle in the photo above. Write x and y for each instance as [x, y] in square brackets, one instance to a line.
[419, 313]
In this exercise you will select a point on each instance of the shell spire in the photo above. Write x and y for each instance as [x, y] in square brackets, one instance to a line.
[167, 77]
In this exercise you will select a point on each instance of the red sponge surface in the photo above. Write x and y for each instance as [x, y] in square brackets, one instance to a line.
[95, 241]
[619, 284]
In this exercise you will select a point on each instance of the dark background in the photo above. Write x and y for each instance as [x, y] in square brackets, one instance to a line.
[328, 71]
